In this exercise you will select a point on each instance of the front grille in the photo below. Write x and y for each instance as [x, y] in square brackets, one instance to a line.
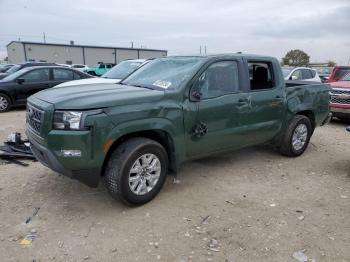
[34, 118]
[337, 100]
[340, 92]
[340, 96]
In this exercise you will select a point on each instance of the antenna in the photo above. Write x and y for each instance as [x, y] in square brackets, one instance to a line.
[44, 37]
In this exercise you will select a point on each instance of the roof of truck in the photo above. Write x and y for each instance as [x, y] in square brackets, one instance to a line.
[224, 54]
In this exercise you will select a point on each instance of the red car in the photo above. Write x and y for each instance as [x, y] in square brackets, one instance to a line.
[340, 98]
[338, 72]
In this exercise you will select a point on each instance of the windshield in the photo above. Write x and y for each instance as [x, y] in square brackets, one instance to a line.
[122, 70]
[346, 77]
[340, 73]
[163, 73]
[15, 74]
[286, 71]
[13, 69]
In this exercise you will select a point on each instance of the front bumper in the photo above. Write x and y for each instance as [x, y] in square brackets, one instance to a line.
[340, 111]
[68, 167]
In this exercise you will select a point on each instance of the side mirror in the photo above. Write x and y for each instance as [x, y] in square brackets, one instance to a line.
[294, 78]
[20, 80]
[196, 92]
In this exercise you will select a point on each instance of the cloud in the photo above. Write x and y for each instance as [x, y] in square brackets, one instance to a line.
[269, 27]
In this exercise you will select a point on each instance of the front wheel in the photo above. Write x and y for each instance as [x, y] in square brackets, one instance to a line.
[5, 103]
[296, 137]
[136, 171]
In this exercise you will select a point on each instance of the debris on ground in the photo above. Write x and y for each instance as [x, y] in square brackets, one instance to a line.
[35, 212]
[28, 240]
[16, 148]
[300, 256]
[176, 181]
[205, 219]
[229, 202]
[301, 218]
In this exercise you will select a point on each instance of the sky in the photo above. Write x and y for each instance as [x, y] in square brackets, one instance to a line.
[321, 28]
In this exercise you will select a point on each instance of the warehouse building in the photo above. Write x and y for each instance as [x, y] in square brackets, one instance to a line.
[20, 51]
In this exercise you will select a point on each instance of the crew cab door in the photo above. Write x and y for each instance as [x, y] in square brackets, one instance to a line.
[212, 122]
[263, 119]
[32, 82]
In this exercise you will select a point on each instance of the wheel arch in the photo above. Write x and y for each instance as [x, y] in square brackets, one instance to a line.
[7, 94]
[310, 115]
[161, 136]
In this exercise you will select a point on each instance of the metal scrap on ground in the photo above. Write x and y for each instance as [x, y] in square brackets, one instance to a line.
[15, 148]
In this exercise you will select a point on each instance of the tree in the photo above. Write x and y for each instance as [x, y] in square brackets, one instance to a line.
[331, 63]
[296, 58]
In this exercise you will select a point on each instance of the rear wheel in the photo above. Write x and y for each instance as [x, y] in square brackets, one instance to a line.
[297, 136]
[92, 73]
[5, 103]
[136, 171]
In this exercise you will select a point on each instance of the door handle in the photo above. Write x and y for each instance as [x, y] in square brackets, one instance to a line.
[278, 98]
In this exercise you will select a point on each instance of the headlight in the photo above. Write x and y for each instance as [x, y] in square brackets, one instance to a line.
[67, 120]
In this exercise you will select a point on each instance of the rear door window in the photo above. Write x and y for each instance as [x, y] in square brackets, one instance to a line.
[306, 74]
[261, 75]
[62, 74]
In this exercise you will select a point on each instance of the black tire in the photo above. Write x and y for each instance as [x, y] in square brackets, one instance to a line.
[4, 98]
[92, 73]
[287, 147]
[116, 175]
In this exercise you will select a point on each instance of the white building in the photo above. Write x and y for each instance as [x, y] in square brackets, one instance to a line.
[21, 51]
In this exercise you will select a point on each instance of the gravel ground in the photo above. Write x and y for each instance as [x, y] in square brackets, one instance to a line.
[251, 205]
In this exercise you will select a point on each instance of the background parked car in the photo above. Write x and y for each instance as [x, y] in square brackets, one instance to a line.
[79, 67]
[300, 73]
[99, 69]
[338, 73]
[18, 67]
[113, 76]
[324, 73]
[5, 67]
[15, 88]
[340, 98]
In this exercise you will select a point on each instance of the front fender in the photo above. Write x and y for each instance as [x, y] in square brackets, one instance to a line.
[161, 124]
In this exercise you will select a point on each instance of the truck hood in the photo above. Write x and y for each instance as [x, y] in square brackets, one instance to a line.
[340, 84]
[89, 81]
[83, 97]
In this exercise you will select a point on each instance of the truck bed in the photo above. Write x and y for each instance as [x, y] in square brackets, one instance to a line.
[306, 95]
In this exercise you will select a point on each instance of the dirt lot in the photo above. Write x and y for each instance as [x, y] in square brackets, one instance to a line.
[252, 205]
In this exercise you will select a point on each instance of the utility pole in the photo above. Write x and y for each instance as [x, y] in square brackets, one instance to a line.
[44, 37]
[205, 49]
[200, 49]
[132, 44]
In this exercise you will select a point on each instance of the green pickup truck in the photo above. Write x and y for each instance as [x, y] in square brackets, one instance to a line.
[99, 69]
[171, 110]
